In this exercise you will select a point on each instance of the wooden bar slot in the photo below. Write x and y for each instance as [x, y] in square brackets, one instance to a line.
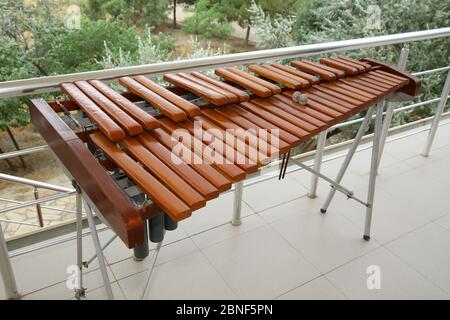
[187, 173]
[221, 181]
[168, 177]
[166, 107]
[105, 124]
[256, 88]
[157, 192]
[128, 124]
[303, 82]
[242, 95]
[339, 65]
[314, 70]
[366, 66]
[231, 98]
[272, 87]
[191, 109]
[146, 120]
[309, 77]
[269, 74]
[286, 98]
[337, 72]
[209, 95]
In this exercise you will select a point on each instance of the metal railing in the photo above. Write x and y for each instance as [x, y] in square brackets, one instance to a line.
[50, 84]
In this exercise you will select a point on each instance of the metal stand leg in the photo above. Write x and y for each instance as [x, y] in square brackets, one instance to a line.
[437, 117]
[155, 257]
[80, 290]
[6, 270]
[373, 170]
[238, 190]
[98, 250]
[321, 139]
[392, 105]
[348, 158]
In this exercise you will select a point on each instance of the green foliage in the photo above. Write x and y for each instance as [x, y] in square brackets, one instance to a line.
[271, 32]
[208, 21]
[130, 12]
[321, 21]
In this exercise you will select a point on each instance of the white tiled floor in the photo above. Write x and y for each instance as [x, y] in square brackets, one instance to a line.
[286, 249]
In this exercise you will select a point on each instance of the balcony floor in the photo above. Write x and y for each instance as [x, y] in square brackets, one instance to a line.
[286, 249]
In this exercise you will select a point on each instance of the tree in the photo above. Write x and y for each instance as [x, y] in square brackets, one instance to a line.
[208, 21]
[321, 21]
[130, 12]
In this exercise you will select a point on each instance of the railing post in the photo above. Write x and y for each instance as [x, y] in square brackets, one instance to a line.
[437, 116]
[38, 207]
[391, 105]
[237, 206]
[321, 139]
[6, 270]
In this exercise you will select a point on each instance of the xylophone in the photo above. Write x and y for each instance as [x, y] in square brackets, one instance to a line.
[155, 154]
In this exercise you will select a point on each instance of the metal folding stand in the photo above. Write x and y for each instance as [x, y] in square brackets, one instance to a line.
[80, 290]
[373, 164]
[6, 271]
[437, 116]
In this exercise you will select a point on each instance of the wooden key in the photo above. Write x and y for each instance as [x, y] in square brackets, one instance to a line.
[191, 109]
[231, 97]
[337, 72]
[339, 65]
[276, 120]
[309, 77]
[269, 74]
[221, 181]
[324, 74]
[284, 135]
[166, 107]
[166, 175]
[256, 88]
[323, 98]
[97, 115]
[187, 173]
[158, 193]
[127, 123]
[274, 88]
[209, 95]
[366, 66]
[299, 113]
[286, 115]
[303, 82]
[356, 85]
[146, 120]
[348, 93]
[353, 101]
[286, 98]
[242, 95]
[359, 92]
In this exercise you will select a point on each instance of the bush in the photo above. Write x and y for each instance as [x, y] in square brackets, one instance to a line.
[208, 21]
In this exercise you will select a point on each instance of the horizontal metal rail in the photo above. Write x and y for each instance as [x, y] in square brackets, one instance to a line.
[50, 84]
[34, 202]
[23, 152]
[34, 183]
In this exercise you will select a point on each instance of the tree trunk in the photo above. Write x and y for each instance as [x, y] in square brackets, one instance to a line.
[247, 35]
[11, 166]
[174, 14]
[16, 145]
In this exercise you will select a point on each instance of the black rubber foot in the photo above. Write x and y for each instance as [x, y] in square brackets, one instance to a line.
[367, 238]
[323, 210]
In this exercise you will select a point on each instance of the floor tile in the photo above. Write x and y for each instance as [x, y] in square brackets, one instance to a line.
[444, 221]
[397, 280]
[188, 277]
[217, 212]
[391, 218]
[259, 264]
[317, 289]
[427, 250]
[168, 252]
[227, 231]
[326, 240]
[272, 192]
